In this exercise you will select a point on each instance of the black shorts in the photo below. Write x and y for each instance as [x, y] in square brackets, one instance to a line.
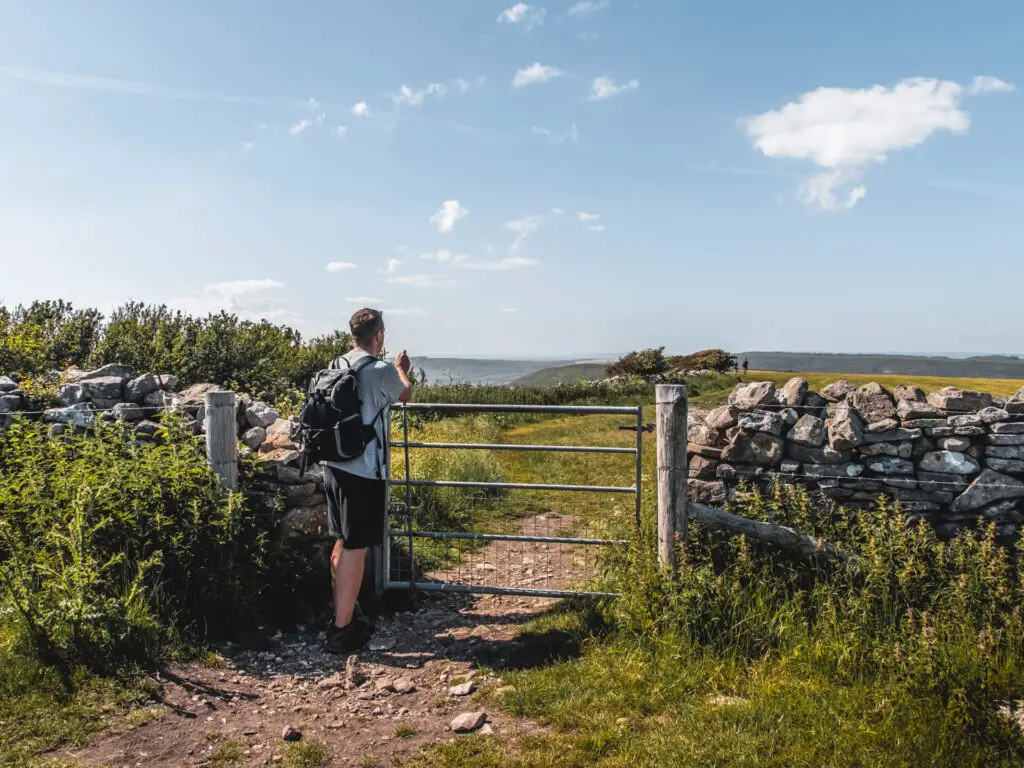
[356, 508]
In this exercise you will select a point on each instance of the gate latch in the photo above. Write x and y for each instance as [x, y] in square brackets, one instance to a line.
[633, 427]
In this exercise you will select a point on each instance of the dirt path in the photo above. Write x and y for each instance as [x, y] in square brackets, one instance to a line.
[400, 694]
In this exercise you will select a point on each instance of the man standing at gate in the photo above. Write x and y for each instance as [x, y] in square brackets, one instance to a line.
[357, 489]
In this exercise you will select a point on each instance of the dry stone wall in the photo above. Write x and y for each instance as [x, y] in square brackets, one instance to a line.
[950, 457]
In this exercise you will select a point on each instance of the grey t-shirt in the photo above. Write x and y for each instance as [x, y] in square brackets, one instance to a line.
[379, 388]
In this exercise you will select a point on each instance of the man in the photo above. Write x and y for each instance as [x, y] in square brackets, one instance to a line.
[357, 489]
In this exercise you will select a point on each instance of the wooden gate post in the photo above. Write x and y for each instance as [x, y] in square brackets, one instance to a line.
[222, 437]
[672, 470]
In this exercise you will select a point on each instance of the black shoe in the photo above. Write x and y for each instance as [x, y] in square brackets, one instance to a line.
[352, 637]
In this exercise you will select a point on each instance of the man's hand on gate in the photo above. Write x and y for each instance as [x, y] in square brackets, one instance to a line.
[402, 362]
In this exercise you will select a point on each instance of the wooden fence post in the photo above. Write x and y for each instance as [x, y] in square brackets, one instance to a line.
[672, 470]
[222, 437]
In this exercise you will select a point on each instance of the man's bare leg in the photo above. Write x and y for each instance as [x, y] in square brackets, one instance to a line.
[346, 581]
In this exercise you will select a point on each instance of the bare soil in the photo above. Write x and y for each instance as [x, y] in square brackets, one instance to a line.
[400, 696]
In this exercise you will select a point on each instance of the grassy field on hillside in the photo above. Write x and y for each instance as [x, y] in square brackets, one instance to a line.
[819, 380]
[563, 374]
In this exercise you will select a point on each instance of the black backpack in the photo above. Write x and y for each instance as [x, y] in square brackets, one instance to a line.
[330, 423]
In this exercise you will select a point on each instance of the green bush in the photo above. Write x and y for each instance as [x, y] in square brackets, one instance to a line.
[112, 551]
[707, 359]
[643, 363]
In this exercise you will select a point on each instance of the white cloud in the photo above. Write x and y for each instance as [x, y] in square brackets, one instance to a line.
[361, 109]
[449, 213]
[249, 299]
[557, 211]
[408, 97]
[536, 73]
[596, 227]
[510, 310]
[341, 131]
[501, 265]
[584, 217]
[570, 135]
[423, 280]
[393, 265]
[591, 220]
[316, 117]
[248, 145]
[604, 88]
[586, 7]
[363, 300]
[462, 85]
[845, 130]
[334, 267]
[532, 15]
[525, 227]
[300, 127]
[444, 255]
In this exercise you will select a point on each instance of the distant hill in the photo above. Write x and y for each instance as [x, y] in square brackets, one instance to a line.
[441, 370]
[981, 366]
[563, 374]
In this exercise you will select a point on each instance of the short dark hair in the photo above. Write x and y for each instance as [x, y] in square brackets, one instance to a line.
[365, 324]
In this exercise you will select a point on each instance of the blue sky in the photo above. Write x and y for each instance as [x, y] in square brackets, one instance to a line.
[555, 178]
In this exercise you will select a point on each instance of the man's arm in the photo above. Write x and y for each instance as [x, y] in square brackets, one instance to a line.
[402, 364]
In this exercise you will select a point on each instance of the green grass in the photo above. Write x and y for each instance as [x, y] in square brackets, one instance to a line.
[818, 380]
[563, 374]
[227, 755]
[306, 754]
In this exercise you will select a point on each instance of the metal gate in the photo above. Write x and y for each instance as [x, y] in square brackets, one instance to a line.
[554, 541]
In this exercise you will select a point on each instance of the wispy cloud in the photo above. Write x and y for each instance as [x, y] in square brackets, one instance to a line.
[406, 96]
[521, 12]
[249, 299]
[334, 267]
[393, 265]
[423, 280]
[301, 127]
[248, 145]
[501, 265]
[444, 255]
[572, 134]
[587, 7]
[510, 310]
[604, 88]
[843, 130]
[364, 300]
[523, 227]
[536, 73]
[341, 131]
[129, 87]
[361, 109]
[592, 221]
[451, 211]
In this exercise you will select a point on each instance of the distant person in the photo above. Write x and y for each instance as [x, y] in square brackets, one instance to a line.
[357, 489]
[746, 365]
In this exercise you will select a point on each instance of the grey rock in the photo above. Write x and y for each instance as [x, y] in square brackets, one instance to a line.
[1015, 405]
[102, 388]
[939, 481]
[1006, 511]
[814, 403]
[78, 415]
[905, 494]
[723, 417]
[925, 423]
[462, 689]
[282, 427]
[793, 392]
[149, 428]
[194, 395]
[954, 399]
[1008, 428]
[969, 431]
[892, 435]
[988, 487]
[921, 507]
[789, 467]
[7, 384]
[111, 370]
[703, 468]
[128, 412]
[977, 451]
[104, 403]
[922, 446]
[706, 492]
[789, 417]
[890, 465]
[136, 390]
[909, 393]
[9, 403]
[913, 410]
[698, 431]
[261, 415]
[762, 421]
[993, 415]
[823, 455]
[838, 391]
[254, 437]
[899, 450]
[291, 733]
[874, 403]
[965, 420]
[1009, 466]
[808, 430]
[468, 722]
[1005, 451]
[759, 448]
[731, 473]
[1004, 439]
[885, 425]
[895, 481]
[168, 381]
[833, 470]
[999, 401]
[749, 396]
[940, 432]
[955, 444]
[949, 462]
[861, 484]
[845, 428]
[71, 394]
[158, 399]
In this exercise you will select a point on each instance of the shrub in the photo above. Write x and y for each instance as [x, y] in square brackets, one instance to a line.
[706, 360]
[644, 363]
[112, 551]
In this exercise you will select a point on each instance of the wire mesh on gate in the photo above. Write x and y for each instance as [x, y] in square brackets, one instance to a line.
[532, 536]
